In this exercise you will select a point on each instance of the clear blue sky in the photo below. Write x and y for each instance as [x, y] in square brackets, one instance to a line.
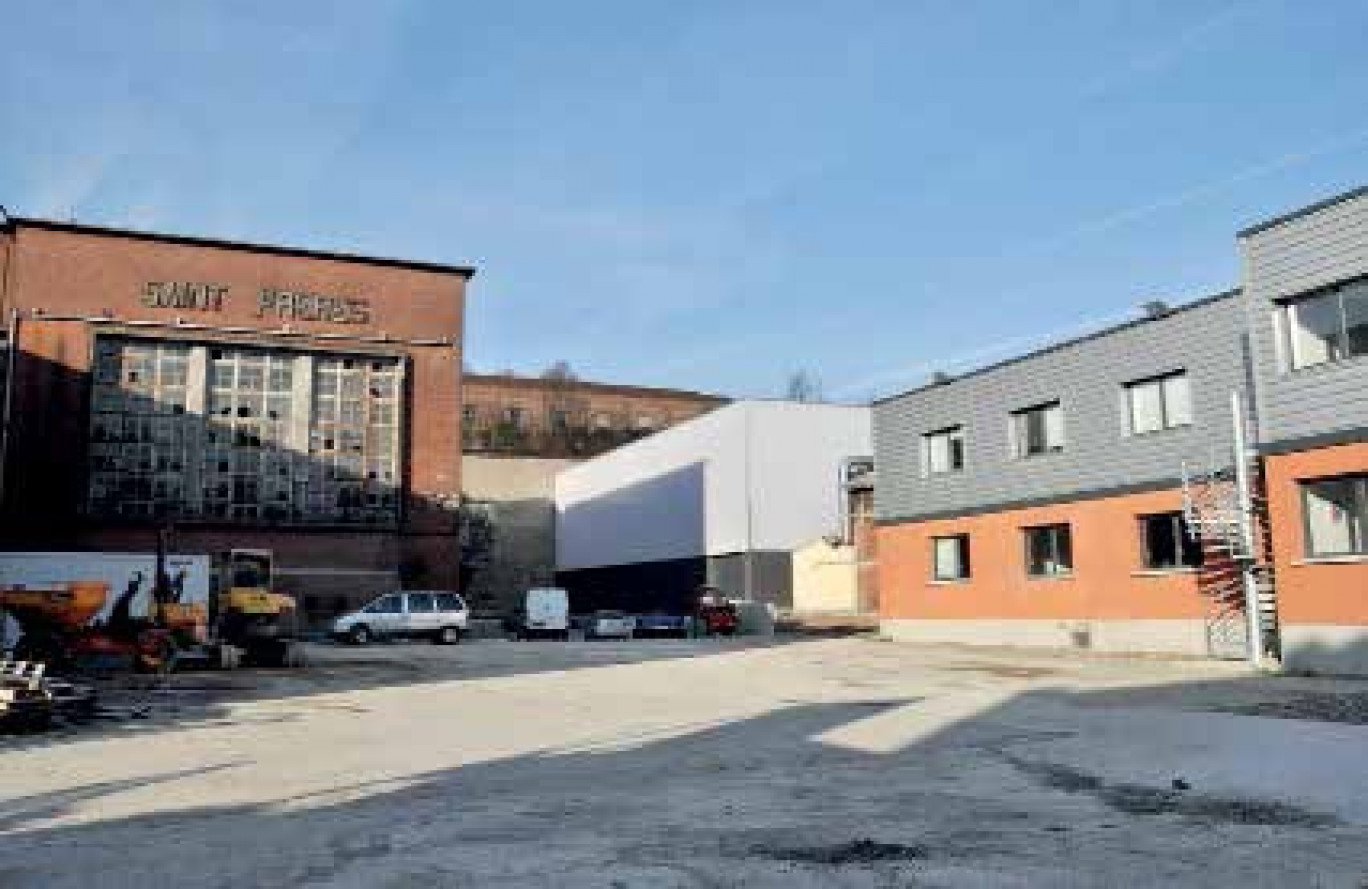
[713, 193]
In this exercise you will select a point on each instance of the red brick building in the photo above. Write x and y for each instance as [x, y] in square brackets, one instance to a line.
[555, 415]
[249, 395]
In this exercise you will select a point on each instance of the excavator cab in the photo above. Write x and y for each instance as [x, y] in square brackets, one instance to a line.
[248, 614]
[245, 578]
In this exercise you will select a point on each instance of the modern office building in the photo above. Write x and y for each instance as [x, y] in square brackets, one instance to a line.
[1088, 494]
[1306, 295]
[1039, 501]
[295, 400]
[723, 499]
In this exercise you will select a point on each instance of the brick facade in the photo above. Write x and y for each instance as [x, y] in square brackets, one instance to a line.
[551, 417]
[68, 287]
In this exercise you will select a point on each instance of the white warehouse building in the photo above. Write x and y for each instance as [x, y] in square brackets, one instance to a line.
[723, 499]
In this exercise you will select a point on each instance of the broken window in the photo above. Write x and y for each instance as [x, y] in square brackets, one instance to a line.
[353, 440]
[242, 434]
[141, 437]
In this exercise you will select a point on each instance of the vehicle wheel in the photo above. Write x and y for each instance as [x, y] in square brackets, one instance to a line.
[447, 636]
[359, 635]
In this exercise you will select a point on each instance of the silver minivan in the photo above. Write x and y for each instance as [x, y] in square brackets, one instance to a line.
[429, 614]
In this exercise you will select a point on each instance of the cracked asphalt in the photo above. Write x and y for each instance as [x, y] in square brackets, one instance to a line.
[786, 762]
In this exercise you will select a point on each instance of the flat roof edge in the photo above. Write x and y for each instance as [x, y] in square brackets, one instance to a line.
[532, 382]
[1276, 221]
[466, 271]
[1063, 344]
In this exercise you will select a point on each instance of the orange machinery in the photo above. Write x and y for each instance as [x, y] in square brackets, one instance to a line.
[56, 620]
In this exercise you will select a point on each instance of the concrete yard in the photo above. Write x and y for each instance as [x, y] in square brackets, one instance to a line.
[789, 762]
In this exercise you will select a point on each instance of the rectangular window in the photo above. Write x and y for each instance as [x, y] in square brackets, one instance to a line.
[1159, 403]
[143, 443]
[247, 467]
[1049, 551]
[950, 557]
[1329, 326]
[239, 434]
[1166, 544]
[513, 416]
[1336, 516]
[354, 440]
[449, 602]
[943, 451]
[421, 603]
[1038, 430]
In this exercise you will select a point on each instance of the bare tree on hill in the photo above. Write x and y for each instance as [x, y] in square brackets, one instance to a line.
[803, 386]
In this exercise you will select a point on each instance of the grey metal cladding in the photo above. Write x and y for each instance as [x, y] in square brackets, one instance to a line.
[1087, 377]
[1303, 253]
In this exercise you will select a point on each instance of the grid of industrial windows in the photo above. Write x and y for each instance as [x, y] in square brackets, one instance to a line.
[142, 439]
[248, 468]
[224, 433]
[943, 451]
[1038, 430]
[1159, 403]
[353, 439]
[1166, 543]
[1328, 326]
[1336, 516]
[950, 557]
[1049, 550]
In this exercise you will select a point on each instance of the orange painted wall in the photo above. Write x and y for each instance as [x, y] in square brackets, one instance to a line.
[1104, 585]
[1313, 593]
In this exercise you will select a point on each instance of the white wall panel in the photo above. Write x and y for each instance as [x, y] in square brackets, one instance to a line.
[796, 453]
[684, 491]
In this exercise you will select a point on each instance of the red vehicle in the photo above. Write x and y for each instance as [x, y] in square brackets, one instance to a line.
[717, 616]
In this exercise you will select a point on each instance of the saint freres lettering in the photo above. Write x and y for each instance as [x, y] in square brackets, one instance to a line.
[287, 305]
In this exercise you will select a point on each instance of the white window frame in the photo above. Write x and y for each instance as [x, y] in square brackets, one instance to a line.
[1053, 529]
[949, 436]
[1357, 517]
[1174, 412]
[1052, 414]
[1342, 348]
[963, 567]
[1182, 537]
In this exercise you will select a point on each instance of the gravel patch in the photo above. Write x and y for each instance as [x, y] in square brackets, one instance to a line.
[861, 851]
[1350, 708]
[1136, 799]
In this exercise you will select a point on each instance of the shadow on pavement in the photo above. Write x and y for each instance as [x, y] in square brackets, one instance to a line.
[1032, 786]
[134, 703]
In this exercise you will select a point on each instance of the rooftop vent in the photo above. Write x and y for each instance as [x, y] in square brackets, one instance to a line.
[1155, 308]
[940, 377]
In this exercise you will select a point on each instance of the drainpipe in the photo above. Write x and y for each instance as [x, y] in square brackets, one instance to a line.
[1254, 626]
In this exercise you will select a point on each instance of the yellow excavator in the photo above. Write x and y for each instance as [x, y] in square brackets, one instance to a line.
[246, 614]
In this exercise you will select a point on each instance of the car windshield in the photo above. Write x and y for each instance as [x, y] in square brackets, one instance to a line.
[386, 605]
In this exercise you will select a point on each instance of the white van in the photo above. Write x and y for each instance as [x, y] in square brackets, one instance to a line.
[546, 612]
[440, 616]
